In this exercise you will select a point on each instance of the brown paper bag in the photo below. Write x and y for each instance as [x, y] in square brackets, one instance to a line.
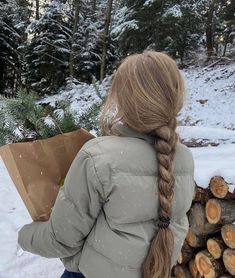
[37, 168]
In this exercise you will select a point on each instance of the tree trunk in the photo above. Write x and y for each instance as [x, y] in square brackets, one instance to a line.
[226, 41]
[93, 6]
[75, 26]
[37, 10]
[209, 29]
[105, 39]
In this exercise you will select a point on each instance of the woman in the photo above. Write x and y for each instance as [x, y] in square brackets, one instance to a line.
[122, 210]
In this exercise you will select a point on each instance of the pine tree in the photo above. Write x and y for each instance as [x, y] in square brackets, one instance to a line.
[183, 27]
[172, 26]
[24, 118]
[49, 49]
[14, 16]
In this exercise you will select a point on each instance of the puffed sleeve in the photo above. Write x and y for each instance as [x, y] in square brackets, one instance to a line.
[75, 211]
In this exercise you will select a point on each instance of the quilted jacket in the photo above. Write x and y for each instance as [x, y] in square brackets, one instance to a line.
[106, 214]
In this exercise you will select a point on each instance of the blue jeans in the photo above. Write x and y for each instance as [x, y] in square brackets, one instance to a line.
[68, 274]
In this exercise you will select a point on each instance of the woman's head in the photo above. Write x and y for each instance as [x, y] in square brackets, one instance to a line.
[147, 91]
[146, 94]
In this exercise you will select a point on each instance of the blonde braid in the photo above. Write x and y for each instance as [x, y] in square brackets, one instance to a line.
[158, 261]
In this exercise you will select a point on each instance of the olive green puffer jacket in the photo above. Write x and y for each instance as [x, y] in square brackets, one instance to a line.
[107, 212]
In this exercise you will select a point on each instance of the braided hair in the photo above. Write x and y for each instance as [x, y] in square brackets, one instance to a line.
[147, 93]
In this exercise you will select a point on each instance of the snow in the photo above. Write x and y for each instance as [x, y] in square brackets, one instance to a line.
[14, 262]
[207, 134]
[174, 11]
[208, 116]
[215, 161]
[210, 98]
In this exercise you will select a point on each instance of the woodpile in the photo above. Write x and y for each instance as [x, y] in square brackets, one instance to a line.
[209, 248]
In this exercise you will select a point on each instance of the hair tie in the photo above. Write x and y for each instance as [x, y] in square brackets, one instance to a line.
[164, 222]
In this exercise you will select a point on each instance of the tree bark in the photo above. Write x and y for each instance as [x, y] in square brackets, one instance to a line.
[202, 195]
[209, 29]
[194, 240]
[186, 254]
[105, 39]
[75, 26]
[226, 41]
[37, 10]
[198, 222]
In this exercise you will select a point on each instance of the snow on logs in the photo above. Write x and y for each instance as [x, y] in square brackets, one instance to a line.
[209, 248]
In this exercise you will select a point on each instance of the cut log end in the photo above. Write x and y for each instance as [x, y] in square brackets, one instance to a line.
[218, 187]
[207, 266]
[216, 247]
[194, 240]
[179, 272]
[228, 235]
[213, 211]
[229, 260]
[193, 269]
[220, 211]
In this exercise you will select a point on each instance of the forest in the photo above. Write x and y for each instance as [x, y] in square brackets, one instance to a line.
[45, 44]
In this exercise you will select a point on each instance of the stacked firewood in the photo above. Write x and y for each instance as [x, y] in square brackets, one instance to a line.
[209, 248]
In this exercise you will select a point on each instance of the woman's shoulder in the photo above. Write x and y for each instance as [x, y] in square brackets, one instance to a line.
[113, 143]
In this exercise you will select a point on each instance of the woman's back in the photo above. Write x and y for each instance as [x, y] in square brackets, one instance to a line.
[127, 168]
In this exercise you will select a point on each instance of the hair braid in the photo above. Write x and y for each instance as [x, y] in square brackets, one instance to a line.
[158, 260]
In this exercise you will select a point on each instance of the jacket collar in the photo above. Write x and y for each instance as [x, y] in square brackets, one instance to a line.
[121, 129]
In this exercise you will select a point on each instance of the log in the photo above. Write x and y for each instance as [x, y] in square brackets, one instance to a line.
[181, 272]
[202, 195]
[220, 189]
[228, 235]
[193, 269]
[220, 211]
[187, 252]
[194, 240]
[198, 222]
[229, 260]
[208, 266]
[216, 247]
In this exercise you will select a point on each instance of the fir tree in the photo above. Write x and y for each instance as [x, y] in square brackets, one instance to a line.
[48, 50]
[14, 16]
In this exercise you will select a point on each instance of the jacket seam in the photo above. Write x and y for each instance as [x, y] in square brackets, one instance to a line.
[96, 175]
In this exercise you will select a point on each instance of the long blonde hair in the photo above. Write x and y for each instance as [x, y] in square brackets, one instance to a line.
[147, 93]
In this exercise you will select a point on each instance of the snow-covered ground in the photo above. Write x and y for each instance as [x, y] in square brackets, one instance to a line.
[210, 98]
[208, 117]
